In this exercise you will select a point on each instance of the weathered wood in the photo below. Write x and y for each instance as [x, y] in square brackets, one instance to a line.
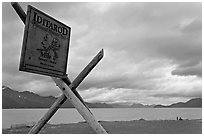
[55, 106]
[63, 98]
[83, 74]
[45, 48]
[87, 69]
[68, 82]
[19, 11]
[80, 107]
[28, 62]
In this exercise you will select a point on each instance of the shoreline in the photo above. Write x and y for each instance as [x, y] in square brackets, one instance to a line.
[120, 127]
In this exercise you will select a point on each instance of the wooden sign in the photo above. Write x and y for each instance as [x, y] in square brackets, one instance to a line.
[45, 45]
[34, 20]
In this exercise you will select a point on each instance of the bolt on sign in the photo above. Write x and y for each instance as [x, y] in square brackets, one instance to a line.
[45, 45]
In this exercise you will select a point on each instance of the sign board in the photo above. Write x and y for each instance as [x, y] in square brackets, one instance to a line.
[45, 45]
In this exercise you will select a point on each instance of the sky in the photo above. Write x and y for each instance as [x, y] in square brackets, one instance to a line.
[152, 51]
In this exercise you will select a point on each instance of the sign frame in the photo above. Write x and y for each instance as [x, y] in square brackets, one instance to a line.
[51, 56]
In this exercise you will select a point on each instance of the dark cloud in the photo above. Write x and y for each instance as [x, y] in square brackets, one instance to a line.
[153, 30]
[161, 40]
[186, 71]
[194, 94]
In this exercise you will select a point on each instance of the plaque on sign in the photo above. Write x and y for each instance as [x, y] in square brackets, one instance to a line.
[45, 45]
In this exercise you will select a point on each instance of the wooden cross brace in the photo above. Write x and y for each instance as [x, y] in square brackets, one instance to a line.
[69, 91]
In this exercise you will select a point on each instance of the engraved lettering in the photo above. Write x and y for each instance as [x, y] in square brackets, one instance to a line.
[46, 23]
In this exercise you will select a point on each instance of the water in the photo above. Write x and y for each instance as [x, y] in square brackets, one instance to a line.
[18, 116]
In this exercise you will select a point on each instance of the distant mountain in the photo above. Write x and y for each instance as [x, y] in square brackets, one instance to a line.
[98, 105]
[138, 105]
[193, 103]
[15, 99]
[119, 105]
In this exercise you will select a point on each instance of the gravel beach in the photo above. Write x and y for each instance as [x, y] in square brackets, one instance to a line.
[121, 127]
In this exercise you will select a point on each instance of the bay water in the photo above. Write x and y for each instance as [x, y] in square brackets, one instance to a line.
[71, 115]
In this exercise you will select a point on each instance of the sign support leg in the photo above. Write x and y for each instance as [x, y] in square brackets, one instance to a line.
[80, 107]
[56, 105]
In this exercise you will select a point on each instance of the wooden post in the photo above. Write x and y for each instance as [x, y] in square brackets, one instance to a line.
[83, 74]
[55, 106]
[19, 11]
[87, 69]
[80, 107]
[38, 126]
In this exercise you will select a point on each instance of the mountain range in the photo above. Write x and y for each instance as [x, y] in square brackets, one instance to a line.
[14, 99]
[192, 103]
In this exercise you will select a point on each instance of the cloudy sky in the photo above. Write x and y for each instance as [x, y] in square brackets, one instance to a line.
[153, 51]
